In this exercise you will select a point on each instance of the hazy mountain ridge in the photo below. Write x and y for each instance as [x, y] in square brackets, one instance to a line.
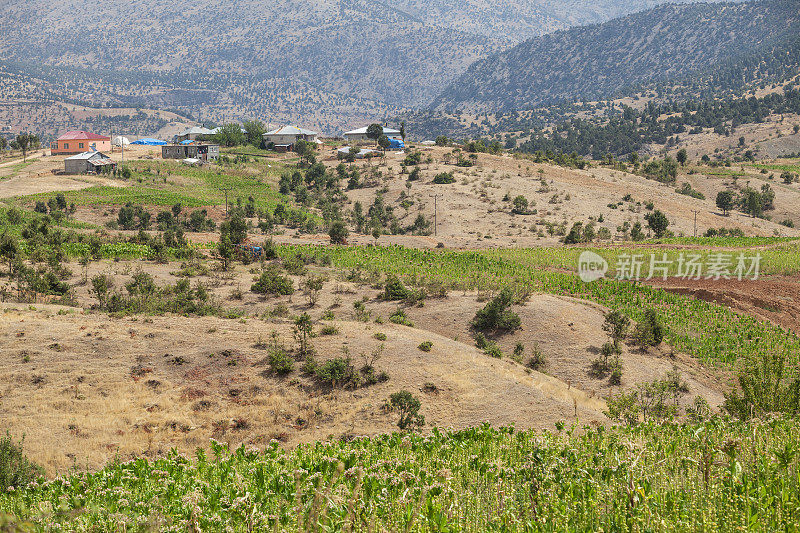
[596, 62]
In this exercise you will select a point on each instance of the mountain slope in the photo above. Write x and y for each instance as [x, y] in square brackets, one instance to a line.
[269, 59]
[595, 62]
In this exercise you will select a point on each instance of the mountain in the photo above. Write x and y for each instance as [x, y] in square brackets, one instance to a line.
[716, 45]
[326, 62]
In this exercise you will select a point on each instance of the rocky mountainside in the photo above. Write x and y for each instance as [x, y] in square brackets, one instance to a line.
[270, 60]
[716, 45]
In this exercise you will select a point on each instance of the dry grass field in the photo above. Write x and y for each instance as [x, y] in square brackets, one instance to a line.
[84, 386]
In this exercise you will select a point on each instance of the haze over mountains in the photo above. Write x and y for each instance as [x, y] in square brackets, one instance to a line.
[334, 63]
[669, 43]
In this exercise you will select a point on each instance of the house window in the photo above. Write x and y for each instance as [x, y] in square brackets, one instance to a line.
[80, 145]
[66, 146]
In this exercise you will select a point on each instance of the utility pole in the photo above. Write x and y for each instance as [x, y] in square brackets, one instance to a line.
[225, 190]
[695, 211]
[435, 211]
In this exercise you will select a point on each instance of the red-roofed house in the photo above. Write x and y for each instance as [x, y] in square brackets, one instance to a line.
[77, 142]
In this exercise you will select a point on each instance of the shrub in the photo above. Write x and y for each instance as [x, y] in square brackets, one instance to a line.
[444, 178]
[766, 385]
[336, 371]
[616, 325]
[496, 315]
[280, 362]
[493, 350]
[616, 372]
[408, 407]
[395, 290]
[426, 346]
[650, 330]
[329, 330]
[338, 232]
[537, 360]
[16, 470]
[399, 317]
[380, 336]
[519, 351]
[272, 282]
[481, 342]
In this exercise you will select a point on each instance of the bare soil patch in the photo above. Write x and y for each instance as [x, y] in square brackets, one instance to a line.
[776, 298]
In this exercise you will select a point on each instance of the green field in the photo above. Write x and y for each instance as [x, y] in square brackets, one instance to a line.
[12, 170]
[714, 476]
[782, 258]
[163, 183]
[714, 334]
[784, 167]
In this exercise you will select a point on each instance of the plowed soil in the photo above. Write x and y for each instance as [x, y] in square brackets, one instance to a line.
[776, 298]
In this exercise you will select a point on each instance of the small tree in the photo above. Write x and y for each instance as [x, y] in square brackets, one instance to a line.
[520, 205]
[624, 408]
[649, 331]
[636, 231]
[235, 228]
[384, 142]
[338, 232]
[311, 287]
[303, 333]
[658, 222]
[496, 315]
[682, 156]
[751, 202]
[254, 132]
[230, 135]
[225, 251]
[725, 201]
[9, 249]
[408, 406]
[616, 325]
[374, 131]
[101, 287]
[23, 141]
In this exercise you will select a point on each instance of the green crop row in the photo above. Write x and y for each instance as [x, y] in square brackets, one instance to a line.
[714, 334]
[715, 476]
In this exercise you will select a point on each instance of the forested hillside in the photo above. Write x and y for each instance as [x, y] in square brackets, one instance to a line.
[326, 64]
[697, 47]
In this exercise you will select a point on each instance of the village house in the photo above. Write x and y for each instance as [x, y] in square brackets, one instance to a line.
[360, 135]
[77, 142]
[88, 163]
[193, 134]
[285, 137]
[190, 150]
